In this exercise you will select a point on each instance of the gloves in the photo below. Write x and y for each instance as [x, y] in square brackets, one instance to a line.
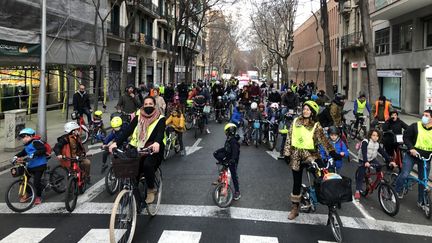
[335, 155]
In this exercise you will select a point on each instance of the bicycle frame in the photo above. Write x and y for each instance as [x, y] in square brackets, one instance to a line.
[225, 177]
[379, 176]
[76, 171]
[412, 179]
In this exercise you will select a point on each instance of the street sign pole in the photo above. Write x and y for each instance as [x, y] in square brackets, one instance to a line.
[41, 128]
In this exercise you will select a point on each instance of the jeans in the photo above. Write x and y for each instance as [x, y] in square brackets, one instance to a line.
[357, 121]
[87, 112]
[407, 166]
[234, 175]
[362, 170]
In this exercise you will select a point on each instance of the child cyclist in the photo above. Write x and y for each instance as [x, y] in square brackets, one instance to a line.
[70, 145]
[37, 163]
[176, 121]
[339, 146]
[232, 149]
[117, 130]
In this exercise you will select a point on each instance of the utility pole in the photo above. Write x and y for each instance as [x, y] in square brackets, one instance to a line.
[41, 127]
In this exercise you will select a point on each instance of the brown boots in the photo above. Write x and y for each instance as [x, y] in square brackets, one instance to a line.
[295, 200]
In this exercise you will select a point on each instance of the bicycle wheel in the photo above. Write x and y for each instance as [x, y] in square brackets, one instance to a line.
[84, 136]
[335, 224]
[123, 218]
[167, 150]
[72, 192]
[427, 207]
[58, 179]
[111, 182]
[306, 204]
[20, 197]
[362, 132]
[271, 141]
[364, 191]
[188, 123]
[153, 208]
[222, 195]
[388, 199]
[255, 137]
[353, 132]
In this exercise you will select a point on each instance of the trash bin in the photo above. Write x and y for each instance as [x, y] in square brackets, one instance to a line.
[14, 123]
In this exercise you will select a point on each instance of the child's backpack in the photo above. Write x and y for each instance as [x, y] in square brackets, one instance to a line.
[48, 148]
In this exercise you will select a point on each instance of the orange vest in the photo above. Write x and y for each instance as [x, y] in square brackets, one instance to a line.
[386, 109]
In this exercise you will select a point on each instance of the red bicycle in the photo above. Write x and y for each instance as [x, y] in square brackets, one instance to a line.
[84, 131]
[223, 193]
[76, 183]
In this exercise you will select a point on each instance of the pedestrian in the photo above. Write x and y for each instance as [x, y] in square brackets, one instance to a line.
[128, 102]
[160, 102]
[232, 150]
[182, 90]
[81, 103]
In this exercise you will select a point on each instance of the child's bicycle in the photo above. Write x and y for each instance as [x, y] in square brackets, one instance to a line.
[171, 142]
[76, 183]
[131, 199]
[97, 133]
[222, 193]
[387, 196]
[21, 194]
[325, 194]
[84, 131]
[426, 205]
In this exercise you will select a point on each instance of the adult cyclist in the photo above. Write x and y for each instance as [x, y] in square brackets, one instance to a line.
[360, 104]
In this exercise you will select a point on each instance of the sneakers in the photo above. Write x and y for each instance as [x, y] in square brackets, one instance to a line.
[150, 196]
[38, 200]
[400, 195]
[24, 198]
[237, 196]
[357, 196]
[420, 204]
[281, 156]
[207, 131]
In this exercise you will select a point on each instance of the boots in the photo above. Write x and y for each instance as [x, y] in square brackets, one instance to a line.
[295, 199]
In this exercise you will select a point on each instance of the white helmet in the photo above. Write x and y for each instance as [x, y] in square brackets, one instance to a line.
[70, 126]
[219, 97]
[274, 105]
[254, 106]
[217, 82]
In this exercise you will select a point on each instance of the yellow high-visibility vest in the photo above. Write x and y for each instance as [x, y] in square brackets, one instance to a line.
[302, 138]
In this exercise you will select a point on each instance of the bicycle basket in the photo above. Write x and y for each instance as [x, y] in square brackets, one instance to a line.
[125, 168]
[333, 191]
[17, 171]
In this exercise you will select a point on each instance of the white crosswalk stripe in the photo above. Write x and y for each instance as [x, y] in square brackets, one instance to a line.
[174, 236]
[257, 239]
[28, 235]
[100, 236]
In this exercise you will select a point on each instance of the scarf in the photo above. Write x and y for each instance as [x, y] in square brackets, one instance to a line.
[144, 121]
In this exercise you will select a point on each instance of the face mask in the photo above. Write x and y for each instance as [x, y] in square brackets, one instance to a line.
[425, 120]
[82, 92]
[149, 109]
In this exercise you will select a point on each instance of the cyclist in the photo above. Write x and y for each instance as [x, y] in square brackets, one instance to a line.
[418, 139]
[244, 97]
[128, 102]
[37, 163]
[274, 96]
[70, 145]
[117, 129]
[381, 110]
[336, 108]
[367, 154]
[160, 102]
[262, 109]
[232, 149]
[201, 99]
[339, 146]
[290, 101]
[359, 106]
[395, 125]
[252, 115]
[304, 134]
[148, 131]
[176, 121]
[81, 103]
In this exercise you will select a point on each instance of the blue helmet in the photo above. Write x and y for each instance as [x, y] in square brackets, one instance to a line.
[27, 131]
[314, 97]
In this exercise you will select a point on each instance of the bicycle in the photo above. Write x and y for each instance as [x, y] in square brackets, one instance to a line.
[189, 118]
[123, 217]
[256, 132]
[96, 132]
[198, 121]
[271, 133]
[223, 193]
[387, 196]
[310, 197]
[411, 180]
[171, 142]
[76, 183]
[24, 189]
[84, 131]
[361, 130]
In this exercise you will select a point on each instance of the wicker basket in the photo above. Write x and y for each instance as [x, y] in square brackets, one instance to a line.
[125, 168]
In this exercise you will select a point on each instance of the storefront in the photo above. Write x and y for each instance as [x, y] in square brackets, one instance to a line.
[390, 83]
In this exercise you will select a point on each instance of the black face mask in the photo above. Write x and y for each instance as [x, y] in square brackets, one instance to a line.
[148, 110]
[81, 92]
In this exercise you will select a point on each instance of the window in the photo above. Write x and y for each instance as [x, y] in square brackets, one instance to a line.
[402, 37]
[382, 41]
[428, 33]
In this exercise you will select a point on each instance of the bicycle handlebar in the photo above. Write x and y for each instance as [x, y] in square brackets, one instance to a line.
[423, 158]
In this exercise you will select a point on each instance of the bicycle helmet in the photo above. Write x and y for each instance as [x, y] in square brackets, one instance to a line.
[219, 97]
[230, 129]
[313, 106]
[274, 106]
[98, 113]
[70, 126]
[314, 97]
[333, 130]
[116, 122]
[254, 106]
[27, 131]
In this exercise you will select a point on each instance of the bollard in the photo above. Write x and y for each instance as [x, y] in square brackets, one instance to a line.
[14, 123]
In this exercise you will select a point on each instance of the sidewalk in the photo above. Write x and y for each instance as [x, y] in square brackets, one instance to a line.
[55, 123]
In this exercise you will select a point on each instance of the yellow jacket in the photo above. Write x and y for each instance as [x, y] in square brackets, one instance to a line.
[178, 123]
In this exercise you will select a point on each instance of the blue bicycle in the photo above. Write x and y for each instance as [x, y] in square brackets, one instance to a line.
[411, 180]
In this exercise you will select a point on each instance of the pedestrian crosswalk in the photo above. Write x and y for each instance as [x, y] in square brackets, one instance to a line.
[35, 235]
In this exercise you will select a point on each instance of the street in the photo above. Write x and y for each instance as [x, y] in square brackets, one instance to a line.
[188, 213]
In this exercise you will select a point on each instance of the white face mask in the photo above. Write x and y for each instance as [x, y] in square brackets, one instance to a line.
[425, 120]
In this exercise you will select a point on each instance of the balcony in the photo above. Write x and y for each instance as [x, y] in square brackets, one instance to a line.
[141, 39]
[115, 32]
[390, 9]
[353, 40]
[150, 7]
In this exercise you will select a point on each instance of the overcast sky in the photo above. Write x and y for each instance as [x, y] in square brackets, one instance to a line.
[242, 10]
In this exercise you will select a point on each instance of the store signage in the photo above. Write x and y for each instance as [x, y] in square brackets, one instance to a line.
[354, 64]
[390, 73]
[132, 62]
[9, 48]
[363, 64]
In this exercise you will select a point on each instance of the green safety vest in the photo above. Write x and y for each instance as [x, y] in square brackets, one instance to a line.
[162, 90]
[294, 88]
[134, 140]
[284, 130]
[424, 138]
[361, 106]
[302, 138]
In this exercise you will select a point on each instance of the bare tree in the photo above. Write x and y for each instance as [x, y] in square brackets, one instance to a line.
[327, 51]
[273, 23]
[320, 50]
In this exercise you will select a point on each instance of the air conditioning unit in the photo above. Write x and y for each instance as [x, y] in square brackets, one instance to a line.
[134, 37]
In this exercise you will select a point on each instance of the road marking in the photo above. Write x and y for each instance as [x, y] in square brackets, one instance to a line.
[257, 239]
[98, 145]
[28, 235]
[194, 147]
[274, 154]
[240, 214]
[323, 241]
[99, 236]
[174, 236]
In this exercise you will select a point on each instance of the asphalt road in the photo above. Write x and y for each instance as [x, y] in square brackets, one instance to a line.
[189, 213]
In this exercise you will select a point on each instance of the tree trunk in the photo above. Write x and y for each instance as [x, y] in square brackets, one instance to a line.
[284, 70]
[374, 88]
[128, 31]
[327, 65]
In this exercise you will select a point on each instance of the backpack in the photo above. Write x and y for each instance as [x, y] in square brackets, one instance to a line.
[48, 148]
[325, 118]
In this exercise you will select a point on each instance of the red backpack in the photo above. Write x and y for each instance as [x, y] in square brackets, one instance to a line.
[48, 148]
